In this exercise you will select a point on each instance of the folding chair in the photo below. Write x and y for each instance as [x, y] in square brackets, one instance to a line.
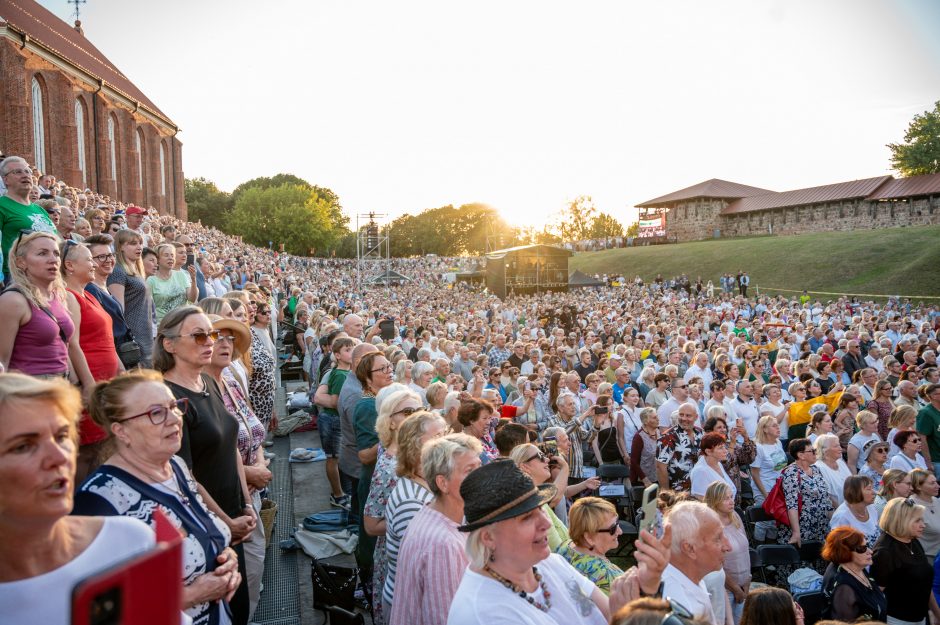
[813, 604]
[777, 555]
[756, 564]
[810, 551]
[754, 515]
[617, 474]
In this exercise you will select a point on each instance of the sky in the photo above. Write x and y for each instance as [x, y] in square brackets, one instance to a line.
[526, 105]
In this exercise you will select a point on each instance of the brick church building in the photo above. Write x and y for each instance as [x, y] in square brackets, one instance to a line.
[70, 112]
[719, 208]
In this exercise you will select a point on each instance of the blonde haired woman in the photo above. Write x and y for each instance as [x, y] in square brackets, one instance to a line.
[44, 551]
[594, 528]
[127, 285]
[737, 565]
[537, 466]
[39, 336]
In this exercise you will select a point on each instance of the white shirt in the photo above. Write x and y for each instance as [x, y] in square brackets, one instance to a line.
[703, 475]
[695, 372]
[835, 480]
[481, 600]
[769, 408]
[902, 462]
[665, 412]
[47, 598]
[693, 597]
[748, 412]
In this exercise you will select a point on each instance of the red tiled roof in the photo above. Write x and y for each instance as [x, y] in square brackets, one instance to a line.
[713, 188]
[854, 189]
[908, 187]
[42, 26]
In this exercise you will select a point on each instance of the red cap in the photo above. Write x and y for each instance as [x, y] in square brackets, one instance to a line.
[135, 210]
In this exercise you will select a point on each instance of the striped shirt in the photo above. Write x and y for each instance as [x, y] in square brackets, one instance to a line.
[407, 498]
[431, 562]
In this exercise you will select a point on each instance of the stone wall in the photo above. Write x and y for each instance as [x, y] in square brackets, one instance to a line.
[60, 91]
[848, 215]
[694, 219]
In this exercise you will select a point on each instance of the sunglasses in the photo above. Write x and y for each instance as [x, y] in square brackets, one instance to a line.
[159, 413]
[609, 530]
[539, 455]
[407, 411]
[863, 548]
[200, 338]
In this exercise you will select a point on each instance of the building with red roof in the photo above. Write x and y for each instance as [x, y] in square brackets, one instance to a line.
[71, 112]
[718, 208]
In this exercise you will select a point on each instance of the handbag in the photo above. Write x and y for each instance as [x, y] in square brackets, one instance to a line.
[775, 505]
[129, 352]
[335, 587]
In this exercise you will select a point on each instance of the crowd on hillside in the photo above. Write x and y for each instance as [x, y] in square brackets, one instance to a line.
[467, 437]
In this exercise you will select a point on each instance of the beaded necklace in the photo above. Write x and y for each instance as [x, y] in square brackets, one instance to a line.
[523, 594]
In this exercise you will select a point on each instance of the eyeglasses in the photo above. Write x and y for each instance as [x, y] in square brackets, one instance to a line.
[677, 615]
[103, 258]
[809, 450]
[407, 411]
[159, 413]
[226, 337]
[200, 338]
[69, 244]
[385, 369]
[262, 312]
[23, 233]
[17, 172]
[538, 456]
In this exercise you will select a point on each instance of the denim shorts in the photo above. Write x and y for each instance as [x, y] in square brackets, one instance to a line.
[328, 426]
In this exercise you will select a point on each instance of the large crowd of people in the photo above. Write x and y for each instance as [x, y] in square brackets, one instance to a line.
[464, 434]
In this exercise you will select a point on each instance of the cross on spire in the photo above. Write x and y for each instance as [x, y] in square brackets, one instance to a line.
[77, 4]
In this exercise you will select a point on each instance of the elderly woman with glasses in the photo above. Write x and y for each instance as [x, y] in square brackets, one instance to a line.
[909, 458]
[395, 404]
[852, 593]
[900, 566]
[143, 474]
[594, 529]
[807, 497]
[209, 445]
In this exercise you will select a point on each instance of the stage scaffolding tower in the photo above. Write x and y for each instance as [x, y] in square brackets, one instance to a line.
[373, 253]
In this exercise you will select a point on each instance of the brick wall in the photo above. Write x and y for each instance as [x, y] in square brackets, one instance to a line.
[60, 92]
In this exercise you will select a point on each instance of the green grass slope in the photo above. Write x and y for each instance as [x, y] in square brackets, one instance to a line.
[895, 261]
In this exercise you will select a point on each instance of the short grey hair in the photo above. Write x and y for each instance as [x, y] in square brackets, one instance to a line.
[11, 159]
[439, 456]
[420, 368]
[553, 431]
[686, 519]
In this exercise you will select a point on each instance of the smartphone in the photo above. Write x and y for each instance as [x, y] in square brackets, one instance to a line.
[648, 506]
[549, 446]
[190, 260]
[601, 409]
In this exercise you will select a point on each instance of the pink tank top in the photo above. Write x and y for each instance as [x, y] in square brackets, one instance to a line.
[38, 348]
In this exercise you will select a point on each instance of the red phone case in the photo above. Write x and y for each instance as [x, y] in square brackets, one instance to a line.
[149, 585]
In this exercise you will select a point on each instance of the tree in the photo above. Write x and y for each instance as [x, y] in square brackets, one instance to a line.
[206, 203]
[267, 182]
[290, 214]
[576, 218]
[604, 226]
[633, 229]
[920, 152]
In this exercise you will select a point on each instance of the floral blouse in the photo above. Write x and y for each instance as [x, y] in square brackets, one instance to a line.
[599, 570]
[679, 452]
[250, 429]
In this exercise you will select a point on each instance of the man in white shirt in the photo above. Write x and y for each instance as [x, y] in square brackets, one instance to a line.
[698, 548]
[875, 358]
[530, 365]
[746, 408]
[680, 393]
[699, 369]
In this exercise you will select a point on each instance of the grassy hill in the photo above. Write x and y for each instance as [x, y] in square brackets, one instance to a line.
[895, 261]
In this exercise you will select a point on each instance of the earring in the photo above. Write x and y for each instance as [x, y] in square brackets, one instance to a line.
[492, 557]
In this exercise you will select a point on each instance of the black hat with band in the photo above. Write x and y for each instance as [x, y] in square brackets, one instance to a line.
[498, 491]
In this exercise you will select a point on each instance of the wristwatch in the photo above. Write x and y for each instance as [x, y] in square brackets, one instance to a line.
[657, 595]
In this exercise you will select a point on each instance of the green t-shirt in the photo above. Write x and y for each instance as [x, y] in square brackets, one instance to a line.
[334, 384]
[928, 424]
[15, 217]
[169, 294]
